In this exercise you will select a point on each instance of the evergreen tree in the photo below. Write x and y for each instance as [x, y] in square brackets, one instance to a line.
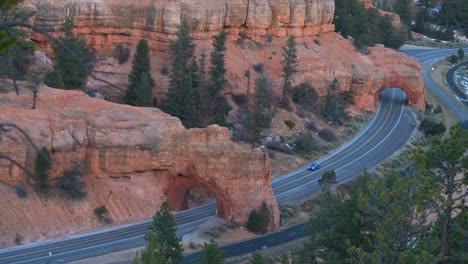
[154, 252]
[258, 258]
[442, 165]
[253, 223]
[6, 40]
[329, 106]
[420, 25]
[289, 63]
[211, 254]
[201, 93]
[327, 180]
[140, 82]
[70, 69]
[264, 215]
[167, 245]
[218, 67]
[180, 99]
[42, 167]
[461, 54]
[403, 9]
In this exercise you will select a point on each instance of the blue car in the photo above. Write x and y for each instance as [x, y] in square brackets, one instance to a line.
[314, 166]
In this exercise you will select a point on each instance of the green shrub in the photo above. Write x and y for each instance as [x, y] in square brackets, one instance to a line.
[258, 222]
[20, 57]
[327, 134]
[41, 167]
[21, 191]
[100, 211]
[121, 53]
[305, 143]
[71, 184]
[289, 123]
[306, 96]
[431, 127]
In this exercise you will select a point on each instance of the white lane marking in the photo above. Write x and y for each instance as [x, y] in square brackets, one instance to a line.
[100, 245]
[273, 239]
[292, 234]
[250, 245]
[336, 151]
[396, 124]
[380, 143]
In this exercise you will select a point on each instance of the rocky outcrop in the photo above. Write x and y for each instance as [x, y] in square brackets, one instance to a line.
[133, 159]
[106, 23]
[328, 56]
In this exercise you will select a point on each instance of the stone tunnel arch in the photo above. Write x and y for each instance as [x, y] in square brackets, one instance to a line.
[413, 98]
[179, 189]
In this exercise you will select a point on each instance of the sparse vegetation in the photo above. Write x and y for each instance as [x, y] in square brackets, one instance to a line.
[71, 184]
[431, 127]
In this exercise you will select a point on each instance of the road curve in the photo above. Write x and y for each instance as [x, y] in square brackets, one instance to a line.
[428, 57]
[388, 131]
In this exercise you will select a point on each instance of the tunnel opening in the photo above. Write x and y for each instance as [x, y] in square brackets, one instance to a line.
[198, 196]
[392, 94]
[186, 192]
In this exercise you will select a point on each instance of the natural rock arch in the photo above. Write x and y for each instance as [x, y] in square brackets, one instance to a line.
[177, 195]
[412, 99]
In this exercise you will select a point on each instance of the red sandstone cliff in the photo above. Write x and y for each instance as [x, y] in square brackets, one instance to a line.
[106, 23]
[134, 159]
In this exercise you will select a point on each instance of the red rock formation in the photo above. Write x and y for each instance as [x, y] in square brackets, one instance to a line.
[134, 158]
[106, 23]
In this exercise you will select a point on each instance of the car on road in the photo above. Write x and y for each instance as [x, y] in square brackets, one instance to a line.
[314, 166]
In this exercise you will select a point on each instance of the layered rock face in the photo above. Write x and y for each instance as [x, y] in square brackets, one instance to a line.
[106, 23]
[133, 159]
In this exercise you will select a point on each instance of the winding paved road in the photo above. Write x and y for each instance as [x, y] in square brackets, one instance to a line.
[388, 131]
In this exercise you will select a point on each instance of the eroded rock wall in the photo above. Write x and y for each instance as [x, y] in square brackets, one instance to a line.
[132, 158]
[106, 23]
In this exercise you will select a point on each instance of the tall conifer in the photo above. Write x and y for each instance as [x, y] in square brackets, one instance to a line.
[140, 81]
[180, 99]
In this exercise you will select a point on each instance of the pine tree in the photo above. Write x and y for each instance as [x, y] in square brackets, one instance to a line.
[154, 252]
[329, 106]
[70, 72]
[42, 167]
[327, 180]
[461, 54]
[218, 67]
[180, 99]
[211, 254]
[264, 215]
[140, 82]
[403, 9]
[144, 92]
[201, 94]
[445, 167]
[162, 239]
[258, 258]
[289, 63]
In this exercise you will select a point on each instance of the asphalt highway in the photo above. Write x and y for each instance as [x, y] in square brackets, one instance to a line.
[428, 57]
[387, 132]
